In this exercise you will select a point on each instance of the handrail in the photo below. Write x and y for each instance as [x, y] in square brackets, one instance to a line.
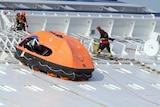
[83, 11]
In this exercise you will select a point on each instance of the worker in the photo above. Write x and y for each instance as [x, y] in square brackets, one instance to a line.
[24, 20]
[104, 41]
[18, 22]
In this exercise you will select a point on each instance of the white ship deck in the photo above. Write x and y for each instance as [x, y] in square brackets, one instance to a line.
[126, 83]
[111, 86]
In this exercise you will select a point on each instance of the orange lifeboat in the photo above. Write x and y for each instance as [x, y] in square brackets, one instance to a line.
[57, 54]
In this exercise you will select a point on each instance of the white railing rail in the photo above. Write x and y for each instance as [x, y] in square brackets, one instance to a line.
[83, 39]
[8, 25]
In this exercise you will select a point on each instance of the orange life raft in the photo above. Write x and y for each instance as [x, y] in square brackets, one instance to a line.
[55, 53]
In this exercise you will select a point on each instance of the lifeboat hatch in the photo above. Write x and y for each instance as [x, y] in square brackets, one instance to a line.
[32, 44]
[57, 35]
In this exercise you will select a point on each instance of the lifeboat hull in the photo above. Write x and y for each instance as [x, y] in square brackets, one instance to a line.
[63, 58]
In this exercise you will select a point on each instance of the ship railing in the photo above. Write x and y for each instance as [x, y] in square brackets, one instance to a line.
[8, 40]
[93, 14]
[122, 47]
[137, 43]
[8, 24]
[9, 36]
[20, 33]
[139, 46]
[85, 40]
[90, 43]
[8, 43]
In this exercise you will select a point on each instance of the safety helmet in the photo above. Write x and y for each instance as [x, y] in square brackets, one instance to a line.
[98, 27]
[23, 13]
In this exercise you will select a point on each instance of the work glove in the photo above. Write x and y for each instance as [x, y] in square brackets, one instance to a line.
[111, 39]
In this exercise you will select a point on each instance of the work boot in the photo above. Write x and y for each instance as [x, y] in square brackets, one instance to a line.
[110, 54]
[99, 52]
